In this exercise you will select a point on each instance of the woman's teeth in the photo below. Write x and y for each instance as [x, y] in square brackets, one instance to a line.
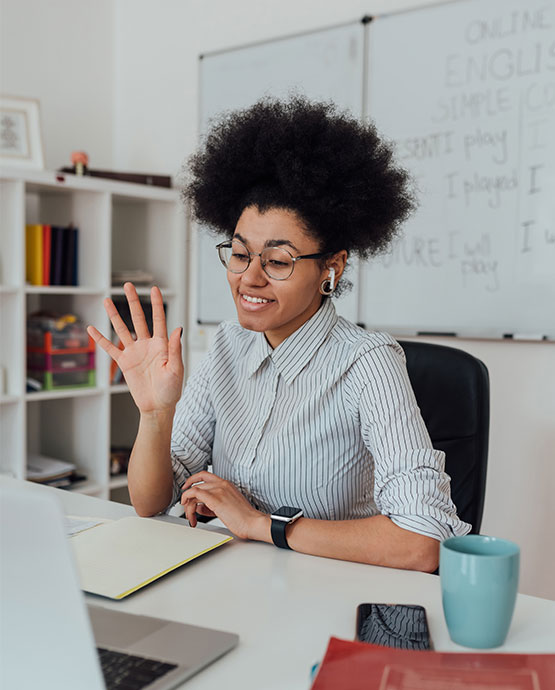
[256, 300]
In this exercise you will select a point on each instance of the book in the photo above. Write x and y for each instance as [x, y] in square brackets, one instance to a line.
[362, 666]
[46, 254]
[118, 558]
[33, 254]
[69, 256]
[56, 254]
[41, 468]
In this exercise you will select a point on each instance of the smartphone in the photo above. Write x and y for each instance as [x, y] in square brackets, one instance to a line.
[393, 625]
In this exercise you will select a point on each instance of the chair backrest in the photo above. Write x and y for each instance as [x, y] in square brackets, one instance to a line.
[452, 391]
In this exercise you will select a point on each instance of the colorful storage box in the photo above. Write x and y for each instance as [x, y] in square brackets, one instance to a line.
[60, 352]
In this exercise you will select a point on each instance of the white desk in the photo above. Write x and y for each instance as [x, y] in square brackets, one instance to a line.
[285, 606]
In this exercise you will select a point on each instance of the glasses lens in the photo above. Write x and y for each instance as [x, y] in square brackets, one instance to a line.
[277, 263]
[235, 257]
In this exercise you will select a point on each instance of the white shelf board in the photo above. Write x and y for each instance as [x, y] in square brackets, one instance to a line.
[66, 393]
[63, 290]
[86, 487]
[57, 182]
[118, 481]
[119, 388]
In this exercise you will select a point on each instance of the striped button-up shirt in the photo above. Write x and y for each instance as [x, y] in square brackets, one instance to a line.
[327, 422]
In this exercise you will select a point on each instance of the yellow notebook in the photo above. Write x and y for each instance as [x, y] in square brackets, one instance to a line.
[33, 254]
[117, 558]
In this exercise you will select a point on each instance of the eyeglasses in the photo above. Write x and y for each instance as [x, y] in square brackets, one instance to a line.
[277, 263]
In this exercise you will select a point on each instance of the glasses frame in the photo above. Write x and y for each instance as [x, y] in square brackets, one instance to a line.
[228, 243]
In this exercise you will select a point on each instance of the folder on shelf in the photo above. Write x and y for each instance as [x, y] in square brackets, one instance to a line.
[117, 558]
[34, 254]
[56, 254]
[69, 270]
[46, 253]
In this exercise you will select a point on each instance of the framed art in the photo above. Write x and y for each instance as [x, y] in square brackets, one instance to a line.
[20, 133]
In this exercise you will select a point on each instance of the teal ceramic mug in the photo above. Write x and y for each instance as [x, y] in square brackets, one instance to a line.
[479, 582]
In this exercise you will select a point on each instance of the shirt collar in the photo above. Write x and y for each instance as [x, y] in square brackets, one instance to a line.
[293, 354]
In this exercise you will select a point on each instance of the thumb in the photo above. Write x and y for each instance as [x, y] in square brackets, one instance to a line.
[175, 359]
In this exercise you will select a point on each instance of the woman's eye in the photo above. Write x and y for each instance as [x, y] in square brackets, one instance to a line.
[278, 264]
[240, 257]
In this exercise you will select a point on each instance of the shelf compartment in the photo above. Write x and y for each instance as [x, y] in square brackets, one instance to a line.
[147, 235]
[89, 211]
[74, 429]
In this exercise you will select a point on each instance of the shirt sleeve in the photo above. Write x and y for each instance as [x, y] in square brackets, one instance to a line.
[193, 428]
[410, 483]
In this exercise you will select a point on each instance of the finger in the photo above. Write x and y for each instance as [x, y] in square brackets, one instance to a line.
[175, 359]
[190, 513]
[203, 510]
[159, 329]
[104, 343]
[197, 478]
[118, 323]
[137, 313]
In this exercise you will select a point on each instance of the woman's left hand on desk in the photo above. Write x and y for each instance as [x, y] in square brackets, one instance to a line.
[222, 499]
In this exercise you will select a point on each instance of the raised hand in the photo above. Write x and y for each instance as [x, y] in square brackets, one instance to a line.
[152, 364]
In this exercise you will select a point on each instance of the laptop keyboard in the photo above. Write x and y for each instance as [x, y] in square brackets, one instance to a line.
[128, 672]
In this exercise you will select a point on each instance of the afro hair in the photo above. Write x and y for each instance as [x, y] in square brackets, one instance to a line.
[329, 168]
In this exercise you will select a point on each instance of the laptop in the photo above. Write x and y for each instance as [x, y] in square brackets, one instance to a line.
[49, 637]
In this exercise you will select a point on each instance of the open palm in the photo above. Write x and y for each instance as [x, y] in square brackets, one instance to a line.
[151, 364]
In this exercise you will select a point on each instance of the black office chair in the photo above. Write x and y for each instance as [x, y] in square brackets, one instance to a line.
[452, 391]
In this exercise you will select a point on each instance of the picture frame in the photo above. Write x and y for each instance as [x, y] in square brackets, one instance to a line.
[20, 133]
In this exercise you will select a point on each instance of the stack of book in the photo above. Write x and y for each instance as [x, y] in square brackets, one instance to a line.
[51, 253]
[138, 277]
[51, 471]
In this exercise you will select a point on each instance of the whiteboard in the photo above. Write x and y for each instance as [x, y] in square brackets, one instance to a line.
[466, 91]
[323, 65]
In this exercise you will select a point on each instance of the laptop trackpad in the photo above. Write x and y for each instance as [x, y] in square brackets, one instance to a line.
[120, 630]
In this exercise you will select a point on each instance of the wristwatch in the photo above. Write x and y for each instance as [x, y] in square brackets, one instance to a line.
[280, 519]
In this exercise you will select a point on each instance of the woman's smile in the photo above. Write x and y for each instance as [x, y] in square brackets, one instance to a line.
[254, 303]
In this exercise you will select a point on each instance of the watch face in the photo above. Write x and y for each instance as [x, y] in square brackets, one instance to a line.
[287, 512]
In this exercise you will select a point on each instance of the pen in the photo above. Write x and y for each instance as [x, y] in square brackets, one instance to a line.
[524, 336]
[437, 333]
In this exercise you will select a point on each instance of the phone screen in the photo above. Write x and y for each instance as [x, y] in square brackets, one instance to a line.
[393, 625]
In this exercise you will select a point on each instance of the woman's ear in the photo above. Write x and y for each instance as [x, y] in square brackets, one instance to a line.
[337, 263]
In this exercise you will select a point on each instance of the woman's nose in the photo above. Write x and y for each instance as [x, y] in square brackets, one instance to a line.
[254, 275]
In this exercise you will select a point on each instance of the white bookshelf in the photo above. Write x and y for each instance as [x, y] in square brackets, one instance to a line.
[121, 226]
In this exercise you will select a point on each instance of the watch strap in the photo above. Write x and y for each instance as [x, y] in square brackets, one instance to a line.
[278, 533]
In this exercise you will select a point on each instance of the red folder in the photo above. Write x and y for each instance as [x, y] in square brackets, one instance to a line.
[46, 254]
[362, 666]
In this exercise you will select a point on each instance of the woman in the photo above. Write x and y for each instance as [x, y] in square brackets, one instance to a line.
[293, 406]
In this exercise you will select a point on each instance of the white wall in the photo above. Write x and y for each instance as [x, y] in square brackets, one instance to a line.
[62, 52]
[133, 74]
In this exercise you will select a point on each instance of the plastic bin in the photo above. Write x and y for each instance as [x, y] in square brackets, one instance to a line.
[60, 353]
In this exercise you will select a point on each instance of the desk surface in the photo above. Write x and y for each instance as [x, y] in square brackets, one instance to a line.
[285, 605]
